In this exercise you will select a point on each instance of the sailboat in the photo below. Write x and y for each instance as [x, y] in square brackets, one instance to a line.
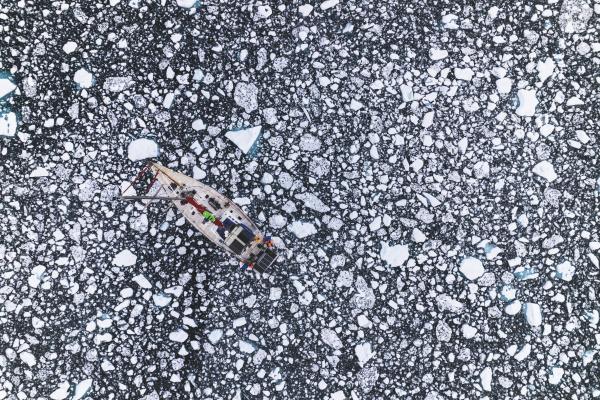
[218, 218]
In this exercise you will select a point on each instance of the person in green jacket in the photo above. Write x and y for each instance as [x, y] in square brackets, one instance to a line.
[208, 216]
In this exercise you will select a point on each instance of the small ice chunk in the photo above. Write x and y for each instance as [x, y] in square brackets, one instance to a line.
[27, 358]
[407, 93]
[246, 347]
[443, 332]
[6, 87]
[575, 101]
[117, 83]
[62, 392]
[178, 336]
[556, 375]
[486, 379]
[331, 339]
[565, 271]
[339, 395]
[533, 314]
[198, 125]
[215, 335]
[161, 299]
[437, 54]
[524, 353]
[574, 15]
[8, 124]
[327, 4]
[245, 96]
[142, 281]
[82, 389]
[39, 172]
[141, 149]
[545, 69]
[527, 102]
[124, 258]
[83, 78]
[481, 169]
[447, 303]
[471, 268]
[244, 138]
[187, 3]
[546, 170]
[364, 322]
[363, 353]
[69, 47]
[313, 202]
[396, 255]
[464, 74]
[504, 85]
[344, 279]
[468, 331]
[428, 119]
[513, 308]
[302, 229]
[305, 10]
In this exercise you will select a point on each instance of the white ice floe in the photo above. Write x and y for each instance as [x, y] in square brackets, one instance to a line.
[546, 170]
[556, 375]
[198, 125]
[69, 47]
[178, 336]
[327, 4]
[437, 54]
[356, 105]
[187, 3]
[527, 102]
[313, 202]
[396, 255]
[117, 83]
[523, 353]
[481, 169]
[82, 388]
[27, 358]
[504, 85]
[305, 10]
[574, 15]
[486, 379]
[215, 335]
[575, 101]
[545, 69]
[302, 229]
[6, 87]
[246, 347]
[62, 392]
[533, 314]
[331, 339]
[124, 258]
[464, 74]
[363, 353]
[142, 281]
[427, 119]
[244, 138]
[468, 331]
[246, 96]
[161, 299]
[83, 78]
[141, 149]
[39, 172]
[447, 303]
[471, 268]
[8, 124]
[565, 271]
